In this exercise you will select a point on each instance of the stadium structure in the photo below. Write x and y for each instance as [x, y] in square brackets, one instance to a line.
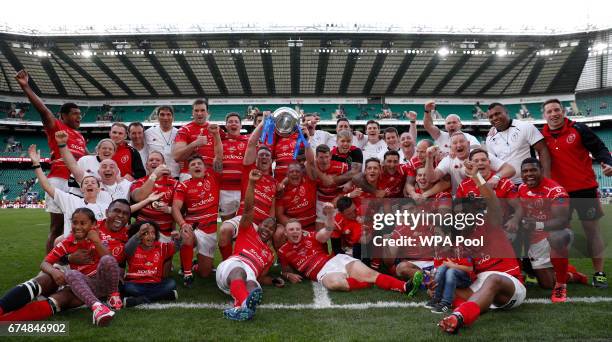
[357, 73]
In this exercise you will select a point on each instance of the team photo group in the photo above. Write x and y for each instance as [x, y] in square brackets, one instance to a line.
[287, 203]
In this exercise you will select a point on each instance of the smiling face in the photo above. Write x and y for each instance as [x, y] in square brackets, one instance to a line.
[344, 144]
[452, 124]
[343, 126]
[90, 187]
[406, 140]
[391, 162]
[233, 125]
[421, 150]
[106, 150]
[165, 119]
[118, 134]
[200, 113]
[482, 163]
[117, 216]
[391, 140]
[264, 160]
[554, 114]
[531, 174]
[498, 118]
[266, 229]
[294, 174]
[81, 225]
[421, 179]
[148, 238]
[137, 135]
[155, 159]
[350, 212]
[196, 168]
[293, 231]
[73, 118]
[323, 160]
[460, 146]
[108, 171]
[372, 171]
[373, 131]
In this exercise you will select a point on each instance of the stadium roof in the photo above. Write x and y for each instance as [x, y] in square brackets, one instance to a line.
[294, 64]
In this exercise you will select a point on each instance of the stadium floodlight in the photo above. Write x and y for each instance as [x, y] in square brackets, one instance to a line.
[443, 51]
[86, 53]
[574, 43]
[501, 52]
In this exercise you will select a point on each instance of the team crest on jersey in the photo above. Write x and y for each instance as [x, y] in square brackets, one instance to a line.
[241, 146]
[156, 257]
[302, 191]
[116, 251]
[124, 159]
[571, 138]
[267, 189]
[206, 185]
[231, 149]
[514, 136]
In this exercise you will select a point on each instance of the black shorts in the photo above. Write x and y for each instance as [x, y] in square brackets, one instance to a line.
[587, 204]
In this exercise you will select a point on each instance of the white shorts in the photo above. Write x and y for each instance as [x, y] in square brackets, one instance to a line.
[184, 176]
[224, 269]
[164, 238]
[235, 222]
[229, 202]
[520, 292]
[321, 218]
[58, 183]
[424, 265]
[206, 243]
[336, 264]
[539, 255]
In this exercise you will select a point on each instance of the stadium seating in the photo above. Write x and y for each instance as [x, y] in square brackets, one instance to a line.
[13, 180]
[599, 104]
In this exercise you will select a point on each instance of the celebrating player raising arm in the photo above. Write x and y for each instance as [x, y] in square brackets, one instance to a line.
[240, 274]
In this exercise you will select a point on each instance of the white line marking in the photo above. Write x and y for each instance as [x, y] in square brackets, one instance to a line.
[321, 296]
[357, 306]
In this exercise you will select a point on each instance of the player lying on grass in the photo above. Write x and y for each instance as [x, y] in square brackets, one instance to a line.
[240, 275]
[84, 237]
[17, 302]
[303, 255]
[146, 256]
[498, 283]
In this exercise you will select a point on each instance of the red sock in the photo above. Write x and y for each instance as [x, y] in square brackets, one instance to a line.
[355, 284]
[393, 270]
[186, 254]
[238, 290]
[33, 311]
[560, 266]
[1, 312]
[470, 312]
[573, 276]
[458, 301]
[226, 251]
[386, 282]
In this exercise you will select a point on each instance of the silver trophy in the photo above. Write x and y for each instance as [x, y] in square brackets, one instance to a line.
[285, 121]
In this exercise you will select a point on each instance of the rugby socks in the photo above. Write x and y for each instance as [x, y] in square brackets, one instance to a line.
[34, 311]
[355, 284]
[226, 251]
[573, 276]
[458, 301]
[186, 254]
[20, 295]
[386, 282]
[560, 265]
[239, 292]
[470, 311]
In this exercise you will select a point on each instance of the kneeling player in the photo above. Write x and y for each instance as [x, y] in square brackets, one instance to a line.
[304, 253]
[240, 274]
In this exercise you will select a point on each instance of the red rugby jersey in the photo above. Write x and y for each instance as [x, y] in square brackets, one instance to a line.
[307, 256]
[496, 244]
[300, 202]
[329, 192]
[124, 157]
[76, 144]
[569, 147]
[114, 241]
[265, 190]
[188, 134]
[254, 252]
[68, 246]
[393, 184]
[505, 188]
[162, 184]
[282, 153]
[147, 265]
[553, 195]
[234, 148]
[346, 229]
[200, 197]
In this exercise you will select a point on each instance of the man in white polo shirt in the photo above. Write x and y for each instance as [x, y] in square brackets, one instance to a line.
[514, 141]
[161, 138]
[375, 144]
[454, 166]
[317, 136]
[452, 123]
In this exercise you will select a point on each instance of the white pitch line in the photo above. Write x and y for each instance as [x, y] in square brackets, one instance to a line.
[321, 296]
[357, 306]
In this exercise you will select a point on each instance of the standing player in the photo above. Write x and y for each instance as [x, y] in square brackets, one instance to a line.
[234, 148]
[569, 144]
[358, 139]
[317, 136]
[346, 152]
[126, 157]
[514, 140]
[136, 134]
[265, 190]
[199, 197]
[196, 138]
[161, 138]
[303, 255]
[452, 123]
[330, 175]
[375, 144]
[240, 275]
[70, 116]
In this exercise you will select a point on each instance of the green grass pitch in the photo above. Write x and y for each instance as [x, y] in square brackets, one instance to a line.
[23, 233]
